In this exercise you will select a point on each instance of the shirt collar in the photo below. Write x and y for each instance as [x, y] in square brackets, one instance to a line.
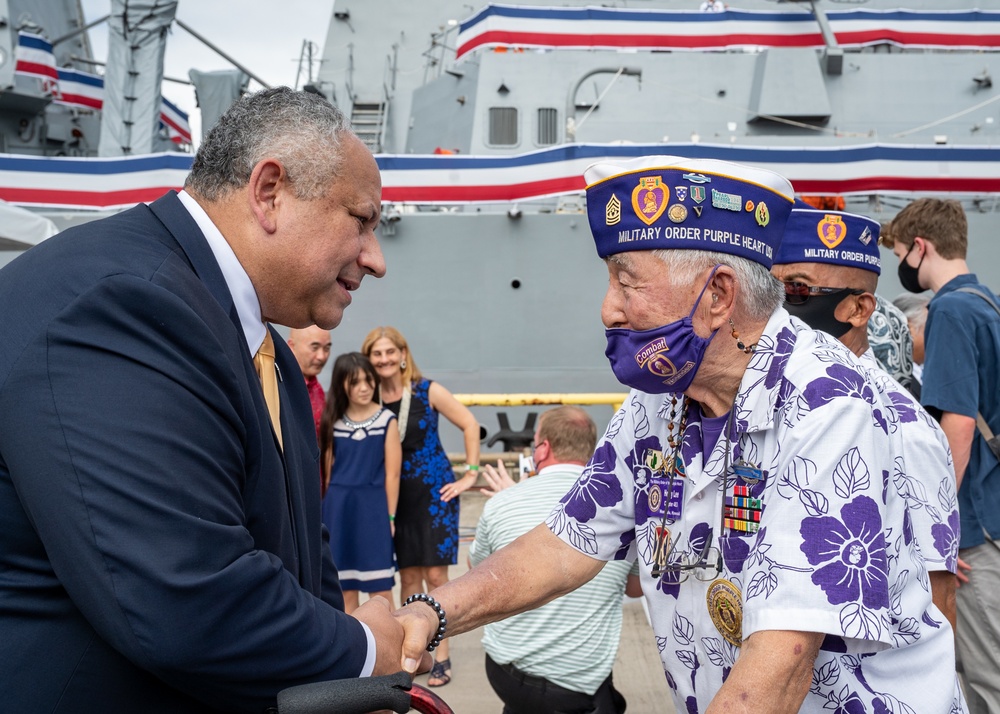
[563, 468]
[237, 280]
[957, 282]
[760, 384]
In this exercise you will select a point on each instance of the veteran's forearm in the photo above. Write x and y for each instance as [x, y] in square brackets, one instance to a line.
[943, 592]
[772, 674]
[533, 570]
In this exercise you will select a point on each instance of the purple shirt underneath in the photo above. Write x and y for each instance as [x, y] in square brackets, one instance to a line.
[711, 430]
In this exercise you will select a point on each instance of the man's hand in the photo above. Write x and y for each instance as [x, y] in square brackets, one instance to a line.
[961, 577]
[497, 478]
[419, 623]
[389, 635]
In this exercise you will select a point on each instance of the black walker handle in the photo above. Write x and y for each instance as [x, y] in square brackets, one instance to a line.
[348, 696]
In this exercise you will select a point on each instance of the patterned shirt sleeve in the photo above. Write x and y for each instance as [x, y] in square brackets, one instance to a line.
[597, 515]
[821, 559]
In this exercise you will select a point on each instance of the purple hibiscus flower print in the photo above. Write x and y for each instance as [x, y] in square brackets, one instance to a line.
[946, 540]
[852, 553]
[700, 538]
[735, 550]
[841, 381]
[597, 486]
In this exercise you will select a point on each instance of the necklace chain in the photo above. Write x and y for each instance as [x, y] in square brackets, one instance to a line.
[674, 440]
[361, 424]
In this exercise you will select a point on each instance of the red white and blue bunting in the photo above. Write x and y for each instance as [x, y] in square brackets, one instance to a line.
[886, 169]
[74, 88]
[511, 26]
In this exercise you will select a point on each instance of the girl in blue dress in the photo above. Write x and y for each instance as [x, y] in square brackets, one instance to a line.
[361, 457]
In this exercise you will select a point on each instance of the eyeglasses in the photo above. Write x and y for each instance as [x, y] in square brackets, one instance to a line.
[677, 566]
[798, 293]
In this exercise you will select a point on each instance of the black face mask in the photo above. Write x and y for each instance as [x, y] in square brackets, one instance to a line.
[817, 312]
[909, 277]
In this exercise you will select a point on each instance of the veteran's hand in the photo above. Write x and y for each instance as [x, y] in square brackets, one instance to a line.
[419, 623]
[959, 575]
[389, 637]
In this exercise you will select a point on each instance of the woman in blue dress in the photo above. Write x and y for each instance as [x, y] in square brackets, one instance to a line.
[427, 517]
[361, 454]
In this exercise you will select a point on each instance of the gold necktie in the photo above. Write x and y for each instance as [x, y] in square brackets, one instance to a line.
[264, 362]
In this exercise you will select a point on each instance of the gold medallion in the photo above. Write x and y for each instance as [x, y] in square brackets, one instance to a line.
[677, 213]
[725, 606]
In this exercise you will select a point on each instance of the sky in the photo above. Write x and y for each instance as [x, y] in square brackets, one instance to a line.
[265, 36]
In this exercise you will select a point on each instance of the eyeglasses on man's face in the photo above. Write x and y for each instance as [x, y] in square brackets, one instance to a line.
[797, 293]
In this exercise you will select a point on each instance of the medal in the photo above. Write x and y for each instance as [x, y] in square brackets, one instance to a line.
[748, 473]
[661, 550]
[677, 213]
[725, 606]
[655, 499]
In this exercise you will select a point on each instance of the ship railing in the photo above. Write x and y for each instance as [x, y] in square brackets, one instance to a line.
[436, 55]
[388, 85]
[511, 459]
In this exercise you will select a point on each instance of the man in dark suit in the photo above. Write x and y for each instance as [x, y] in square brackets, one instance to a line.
[160, 538]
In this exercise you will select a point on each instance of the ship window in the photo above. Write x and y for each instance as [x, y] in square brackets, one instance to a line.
[503, 126]
[548, 126]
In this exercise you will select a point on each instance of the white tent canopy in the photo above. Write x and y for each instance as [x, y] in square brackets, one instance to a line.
[20, 228]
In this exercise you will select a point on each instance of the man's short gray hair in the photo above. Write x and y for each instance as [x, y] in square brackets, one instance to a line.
[760, 292]
[914, 307]
[301, 130]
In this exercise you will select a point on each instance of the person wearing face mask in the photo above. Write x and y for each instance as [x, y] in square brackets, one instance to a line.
[830, 285]
[961, 383]
[746, 474]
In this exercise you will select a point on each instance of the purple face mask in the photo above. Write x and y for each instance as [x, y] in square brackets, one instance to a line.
[662, 360]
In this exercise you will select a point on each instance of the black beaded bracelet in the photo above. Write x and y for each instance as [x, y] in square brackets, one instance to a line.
[442, 620]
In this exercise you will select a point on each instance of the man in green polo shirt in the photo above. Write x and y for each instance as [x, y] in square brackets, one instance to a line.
[558, 657]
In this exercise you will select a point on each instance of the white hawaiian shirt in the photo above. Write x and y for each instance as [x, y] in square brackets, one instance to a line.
[924, 474]
[834, 552]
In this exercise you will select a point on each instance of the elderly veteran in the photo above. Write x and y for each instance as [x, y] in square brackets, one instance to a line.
[830, 285]
[746, 473]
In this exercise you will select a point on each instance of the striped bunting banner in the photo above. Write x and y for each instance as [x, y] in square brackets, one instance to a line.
[74, 88]
[511, 26]
[100, 183]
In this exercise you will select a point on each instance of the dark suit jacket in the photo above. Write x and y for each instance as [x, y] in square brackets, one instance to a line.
[157, 551]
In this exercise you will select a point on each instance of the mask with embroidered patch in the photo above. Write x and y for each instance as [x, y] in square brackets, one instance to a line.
[662, 360]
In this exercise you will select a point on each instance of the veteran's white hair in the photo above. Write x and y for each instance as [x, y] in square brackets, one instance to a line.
[759, 294]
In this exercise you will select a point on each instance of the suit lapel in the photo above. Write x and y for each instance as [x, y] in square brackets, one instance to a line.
[192, 242]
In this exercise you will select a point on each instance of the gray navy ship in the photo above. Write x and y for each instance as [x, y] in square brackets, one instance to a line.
[483, 117]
